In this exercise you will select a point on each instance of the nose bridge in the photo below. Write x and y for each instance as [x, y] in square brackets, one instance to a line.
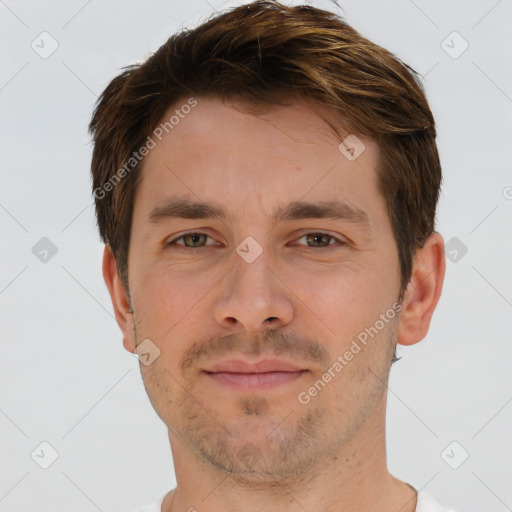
[253, 294]
[252, 276]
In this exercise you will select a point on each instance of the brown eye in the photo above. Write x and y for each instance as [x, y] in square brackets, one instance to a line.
[193, 238]
[320, 240]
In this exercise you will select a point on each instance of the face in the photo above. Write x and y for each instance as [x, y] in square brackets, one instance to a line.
[251, 308]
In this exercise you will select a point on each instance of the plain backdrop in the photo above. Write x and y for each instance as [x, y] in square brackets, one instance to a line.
[65, 379]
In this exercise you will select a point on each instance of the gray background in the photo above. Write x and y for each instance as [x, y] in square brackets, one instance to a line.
[65, 378]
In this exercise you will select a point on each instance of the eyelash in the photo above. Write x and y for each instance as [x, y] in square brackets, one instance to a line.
[339, 242]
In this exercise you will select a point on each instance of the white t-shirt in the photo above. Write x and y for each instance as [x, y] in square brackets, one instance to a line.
[425, 504]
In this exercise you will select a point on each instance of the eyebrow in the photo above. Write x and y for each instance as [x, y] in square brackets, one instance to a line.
[296, 210]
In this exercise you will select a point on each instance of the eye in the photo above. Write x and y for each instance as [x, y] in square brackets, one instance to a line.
[194, 238]
[322, 239]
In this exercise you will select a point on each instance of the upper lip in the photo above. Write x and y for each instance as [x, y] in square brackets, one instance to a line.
[265, 365]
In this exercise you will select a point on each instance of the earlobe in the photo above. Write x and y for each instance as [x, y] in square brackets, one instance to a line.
[423, 292]
[120, 302]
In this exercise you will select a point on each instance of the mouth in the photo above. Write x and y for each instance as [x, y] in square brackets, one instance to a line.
[266, 374]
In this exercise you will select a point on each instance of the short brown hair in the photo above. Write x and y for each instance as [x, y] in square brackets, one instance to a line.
[263, 52]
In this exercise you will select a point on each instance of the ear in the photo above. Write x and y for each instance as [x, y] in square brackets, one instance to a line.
[119, 298]
[423, 291]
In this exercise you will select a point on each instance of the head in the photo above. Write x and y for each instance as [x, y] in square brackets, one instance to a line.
[312, 154]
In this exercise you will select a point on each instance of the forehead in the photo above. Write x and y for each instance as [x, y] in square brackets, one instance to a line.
[302, 121]
[223, 151]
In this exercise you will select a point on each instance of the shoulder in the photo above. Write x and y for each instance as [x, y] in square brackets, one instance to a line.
[426, 503]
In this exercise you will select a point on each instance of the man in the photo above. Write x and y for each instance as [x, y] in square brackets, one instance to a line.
[266, 187]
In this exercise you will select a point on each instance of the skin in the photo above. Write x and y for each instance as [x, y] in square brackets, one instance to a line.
[303, 299]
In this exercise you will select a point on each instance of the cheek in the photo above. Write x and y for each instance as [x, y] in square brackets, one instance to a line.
[342, 300]
[174, 307]
[168, 294]
[165, 304]
[346, 305]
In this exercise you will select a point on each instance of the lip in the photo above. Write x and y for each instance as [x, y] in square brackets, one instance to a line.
[264, 366]
[265, 374]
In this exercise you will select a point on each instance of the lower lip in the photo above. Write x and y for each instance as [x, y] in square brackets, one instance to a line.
[255, 381]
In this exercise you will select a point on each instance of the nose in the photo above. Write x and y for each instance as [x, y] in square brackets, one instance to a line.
[254, 297]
